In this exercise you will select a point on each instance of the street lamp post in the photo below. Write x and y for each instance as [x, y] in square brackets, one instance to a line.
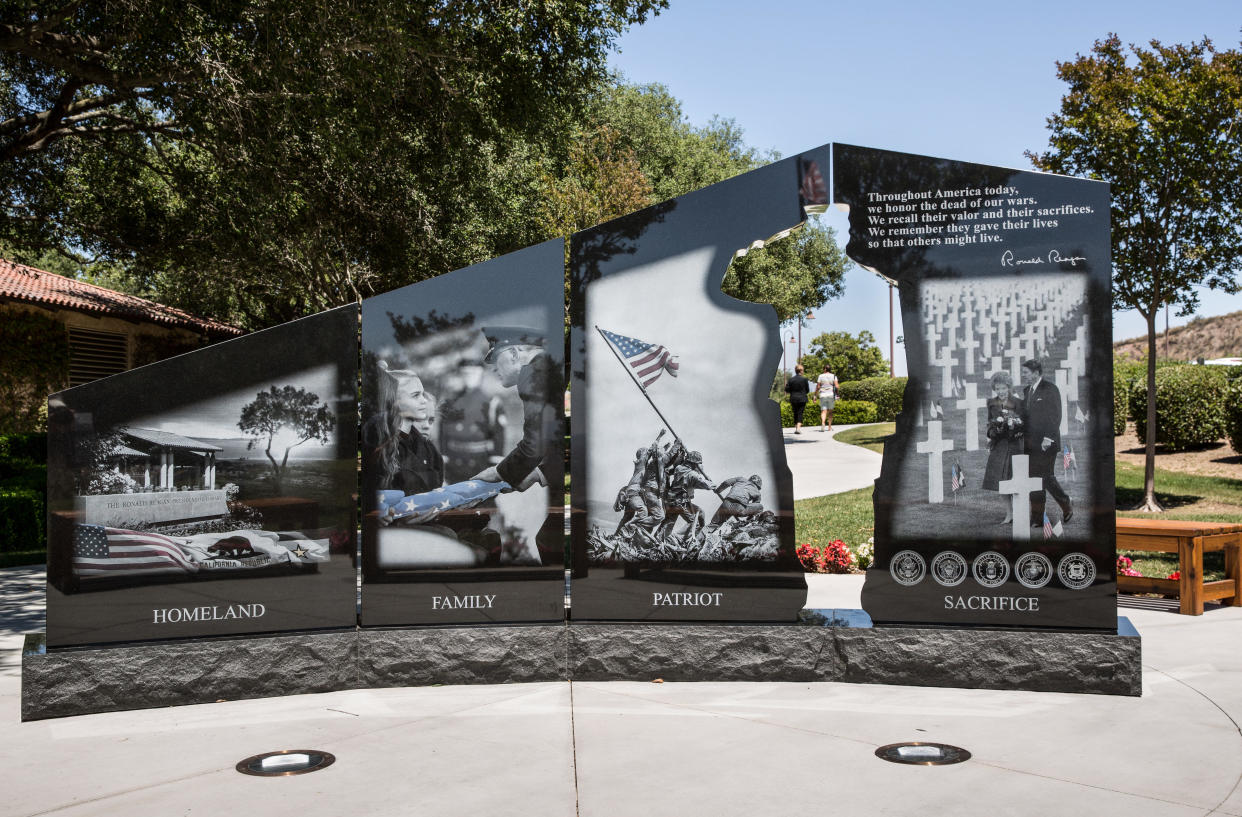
[801, 319]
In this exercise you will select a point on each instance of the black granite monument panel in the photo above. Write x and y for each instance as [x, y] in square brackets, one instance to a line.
[995, 501]
[209, 494]
[682, 500]
[462, 441]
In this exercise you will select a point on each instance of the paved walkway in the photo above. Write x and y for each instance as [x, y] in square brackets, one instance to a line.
[822, 465]
[645, 749]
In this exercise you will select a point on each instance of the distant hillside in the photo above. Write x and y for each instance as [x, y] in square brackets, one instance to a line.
[1205, 338]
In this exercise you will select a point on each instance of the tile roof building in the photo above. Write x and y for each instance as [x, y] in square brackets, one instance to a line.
[106, 332]
[109, 331]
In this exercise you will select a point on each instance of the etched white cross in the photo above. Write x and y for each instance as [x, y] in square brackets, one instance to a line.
[1062, 377]
[972, 403]
[935, 445]
[945, 362]
[1021, 485]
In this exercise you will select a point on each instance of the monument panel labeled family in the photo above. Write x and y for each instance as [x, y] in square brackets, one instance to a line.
[462, 442]
[208, 494]
[682, 501]
[995, 502]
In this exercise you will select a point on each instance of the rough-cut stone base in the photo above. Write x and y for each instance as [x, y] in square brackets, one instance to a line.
[837, 646]
[143, 676]
[827, 645]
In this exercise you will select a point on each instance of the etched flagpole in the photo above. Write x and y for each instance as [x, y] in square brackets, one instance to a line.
[625, 366]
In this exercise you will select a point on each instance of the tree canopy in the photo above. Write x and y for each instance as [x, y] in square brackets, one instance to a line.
[257, 160]
[1164, 127]
[796, 274]
[850, 357]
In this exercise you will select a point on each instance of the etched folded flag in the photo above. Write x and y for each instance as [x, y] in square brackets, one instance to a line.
[100, 551]
[396, 505]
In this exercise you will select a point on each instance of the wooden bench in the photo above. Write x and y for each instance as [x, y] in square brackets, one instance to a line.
[1189, 540]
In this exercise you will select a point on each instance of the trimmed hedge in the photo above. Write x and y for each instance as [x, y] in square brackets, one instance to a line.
[1123, 384]
[845, 412]
[1190, 406]
[885, 392]
[31, 446]
[21, 520]
[1233, 415]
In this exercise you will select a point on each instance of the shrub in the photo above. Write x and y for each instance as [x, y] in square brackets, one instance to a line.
[844, 412]
[885, 392]
[1123, 383]
[1135, 374]
[1190, 406]
[835, 557]
[21, 520]
[32, 446]
[1233, 415]
[865, 553]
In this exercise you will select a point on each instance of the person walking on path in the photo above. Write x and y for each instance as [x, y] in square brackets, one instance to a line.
[826, 386]
[798, 388]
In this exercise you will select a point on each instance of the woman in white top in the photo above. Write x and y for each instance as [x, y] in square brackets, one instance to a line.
[826, 386]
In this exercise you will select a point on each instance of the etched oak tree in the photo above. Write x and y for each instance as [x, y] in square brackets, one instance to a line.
[284, 417]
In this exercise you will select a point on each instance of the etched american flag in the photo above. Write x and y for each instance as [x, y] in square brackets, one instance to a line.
[100, 551]
[648, 360]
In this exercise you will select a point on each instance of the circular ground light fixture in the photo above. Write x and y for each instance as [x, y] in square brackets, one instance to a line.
[286, 762]
[922, 754]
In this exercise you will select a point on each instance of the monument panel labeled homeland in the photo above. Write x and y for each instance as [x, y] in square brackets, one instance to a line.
[682, 499]
[462, 443]
[995, 502]
[208, 494]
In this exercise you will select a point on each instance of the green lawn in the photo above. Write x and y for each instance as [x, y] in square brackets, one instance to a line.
[849, 517]
[868, 436]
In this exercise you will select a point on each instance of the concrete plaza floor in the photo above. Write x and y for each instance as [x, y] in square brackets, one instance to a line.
[651, 749]
[643, 748]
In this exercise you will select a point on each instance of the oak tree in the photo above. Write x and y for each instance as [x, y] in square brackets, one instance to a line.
[1162, 125]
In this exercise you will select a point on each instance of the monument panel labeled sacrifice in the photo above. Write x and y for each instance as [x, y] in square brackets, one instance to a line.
[208, 494]
[462, 444]
[682, 499]
[995, 502]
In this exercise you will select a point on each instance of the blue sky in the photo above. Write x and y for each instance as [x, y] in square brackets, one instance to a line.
[966, 80]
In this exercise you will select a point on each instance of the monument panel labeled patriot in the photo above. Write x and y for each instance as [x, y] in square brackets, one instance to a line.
[682, 501]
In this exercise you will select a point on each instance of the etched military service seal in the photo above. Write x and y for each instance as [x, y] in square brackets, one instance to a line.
[948, 568]
[1076, 571]
[907, 568]
[1034, 570]
[990, 569]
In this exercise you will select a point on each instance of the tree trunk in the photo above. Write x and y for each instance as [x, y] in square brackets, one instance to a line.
[277, 473]
[1149, 461]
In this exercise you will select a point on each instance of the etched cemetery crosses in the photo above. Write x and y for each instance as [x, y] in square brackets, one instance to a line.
[975, 313]
[1020, 486]
[935, 446]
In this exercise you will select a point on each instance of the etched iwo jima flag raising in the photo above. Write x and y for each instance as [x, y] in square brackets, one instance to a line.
[661, 486]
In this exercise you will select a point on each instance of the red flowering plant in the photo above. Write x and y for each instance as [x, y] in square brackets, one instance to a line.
[1175, 575]
[810, 557]
[837, 557]
[1125, 567]
[834, 557]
